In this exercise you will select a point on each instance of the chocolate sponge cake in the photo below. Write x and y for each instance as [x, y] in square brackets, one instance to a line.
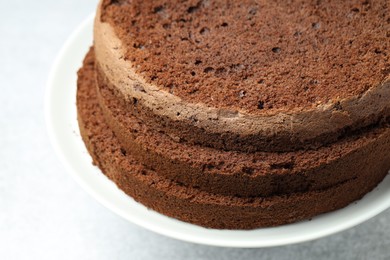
[239, 114]
[249, 75]
[368, 164]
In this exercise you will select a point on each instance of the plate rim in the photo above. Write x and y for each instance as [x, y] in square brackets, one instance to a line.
[55, 136]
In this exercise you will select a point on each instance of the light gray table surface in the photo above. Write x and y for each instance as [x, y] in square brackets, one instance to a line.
[44, 214]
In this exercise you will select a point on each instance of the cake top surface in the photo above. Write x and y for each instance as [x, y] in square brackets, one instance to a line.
[256, 56]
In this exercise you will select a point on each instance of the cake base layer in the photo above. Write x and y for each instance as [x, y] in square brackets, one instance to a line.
[194, 205]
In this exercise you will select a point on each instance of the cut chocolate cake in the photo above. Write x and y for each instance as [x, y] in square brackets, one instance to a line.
[239, 114]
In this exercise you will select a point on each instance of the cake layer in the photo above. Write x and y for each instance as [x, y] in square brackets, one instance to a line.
[237, 173]
[346, 58]
[204, 208]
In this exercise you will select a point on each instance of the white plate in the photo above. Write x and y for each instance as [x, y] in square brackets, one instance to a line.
[60, 109]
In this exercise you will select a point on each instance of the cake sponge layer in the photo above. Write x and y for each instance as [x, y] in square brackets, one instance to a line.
[326, 81]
